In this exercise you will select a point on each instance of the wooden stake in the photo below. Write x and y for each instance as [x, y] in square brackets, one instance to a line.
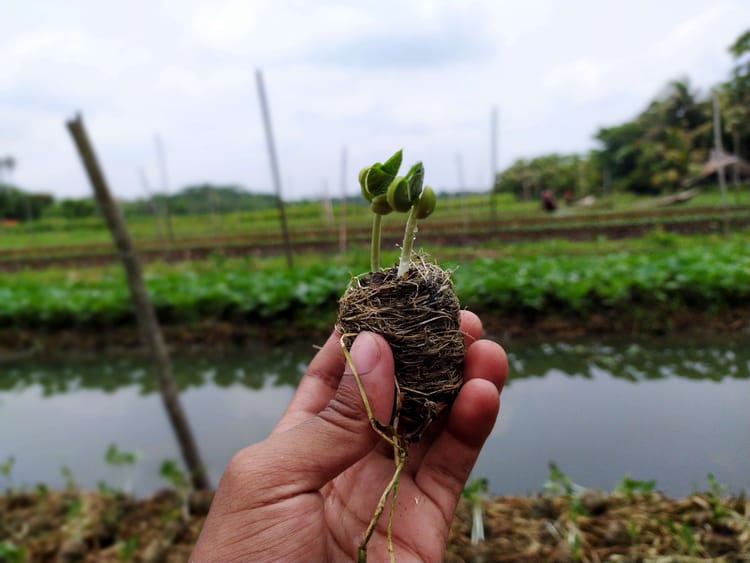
[493, 165]
[151, 203]
[147, 321]
[342, 206]
[164, 186]
[720, 156]
[274, 166]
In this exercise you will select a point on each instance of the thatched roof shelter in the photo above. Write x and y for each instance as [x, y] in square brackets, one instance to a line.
[726, 161]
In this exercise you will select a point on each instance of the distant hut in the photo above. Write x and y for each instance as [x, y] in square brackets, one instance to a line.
[738, 167]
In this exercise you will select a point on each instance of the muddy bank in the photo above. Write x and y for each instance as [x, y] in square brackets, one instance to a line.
[43, 526]
[19, 344]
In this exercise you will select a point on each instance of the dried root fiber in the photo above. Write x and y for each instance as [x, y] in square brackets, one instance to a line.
[419, 316]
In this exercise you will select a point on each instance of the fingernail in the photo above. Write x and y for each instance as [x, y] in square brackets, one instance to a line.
[365, 353]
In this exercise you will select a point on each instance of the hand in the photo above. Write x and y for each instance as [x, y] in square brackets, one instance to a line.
[308, 491]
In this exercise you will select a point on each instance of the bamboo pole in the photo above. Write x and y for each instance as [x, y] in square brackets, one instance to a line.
[274, 166]
[161, 158]
[147, 321]
[151, 203]
[493, 165]
[462, 190]
[342, 207]
[720, 156]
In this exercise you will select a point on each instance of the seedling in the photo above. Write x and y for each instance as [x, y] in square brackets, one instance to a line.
[629, 486]
[718, 509]
[473, 492]
[12, 553]
[414, 307]
[171, 472]
[685, 537]
[126, 549]
[124, 460]
[6, 470]
[70, 482]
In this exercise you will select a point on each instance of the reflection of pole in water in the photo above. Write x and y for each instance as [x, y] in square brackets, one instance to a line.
[276, 177]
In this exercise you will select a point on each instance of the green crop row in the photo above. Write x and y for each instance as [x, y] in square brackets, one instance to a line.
[688, 277]
[705, 276]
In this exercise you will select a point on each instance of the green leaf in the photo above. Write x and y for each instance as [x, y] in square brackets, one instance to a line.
[392, 165]
[628, 486]
[415, 179]
[363, 183]
[377, 180]
[380, 205]
[426, 204]
[115, 456]
[398, 194]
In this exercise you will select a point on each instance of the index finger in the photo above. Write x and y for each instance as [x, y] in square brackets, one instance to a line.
[471, 326]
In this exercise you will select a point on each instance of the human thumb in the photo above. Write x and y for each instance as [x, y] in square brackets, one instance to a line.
[325, 445]
[372, 360]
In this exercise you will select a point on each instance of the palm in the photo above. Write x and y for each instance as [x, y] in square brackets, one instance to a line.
[350, 501]
[309, 491]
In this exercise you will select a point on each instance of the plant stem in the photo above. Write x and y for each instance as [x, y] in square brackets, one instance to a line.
[375, 243]
[410, 234]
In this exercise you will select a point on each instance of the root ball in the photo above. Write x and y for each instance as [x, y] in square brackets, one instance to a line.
[419, 316]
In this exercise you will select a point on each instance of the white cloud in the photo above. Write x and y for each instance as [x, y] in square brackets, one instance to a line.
[372, 75]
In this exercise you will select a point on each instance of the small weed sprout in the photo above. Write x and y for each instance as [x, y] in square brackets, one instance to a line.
[12, 553]
[685, 538]
[125, 461]
[633, 530]
[70, 482]
[558, 483]
[718, 509]
[171, 472]
[629, 486]
[41, 490]
[474, 492]
[126, 549]
[6, 470]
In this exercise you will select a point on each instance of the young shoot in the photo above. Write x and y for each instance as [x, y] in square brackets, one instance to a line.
[374, 181]
[388, 192]
[474, 493]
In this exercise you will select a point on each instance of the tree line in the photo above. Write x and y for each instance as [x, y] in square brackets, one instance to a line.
[19, 205]
[659, 151]
[664, 146]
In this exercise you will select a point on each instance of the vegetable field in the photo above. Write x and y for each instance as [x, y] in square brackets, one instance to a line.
[708, 275]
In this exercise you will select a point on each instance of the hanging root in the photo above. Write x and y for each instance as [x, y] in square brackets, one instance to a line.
[391, 487]
[389, 432]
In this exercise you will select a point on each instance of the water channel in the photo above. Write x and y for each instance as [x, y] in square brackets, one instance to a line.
[665, 410]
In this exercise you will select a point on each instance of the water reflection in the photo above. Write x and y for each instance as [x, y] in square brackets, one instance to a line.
[255, 369]
[670, 411]
[634, 361]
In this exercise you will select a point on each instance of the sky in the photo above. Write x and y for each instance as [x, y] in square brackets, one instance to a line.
[365, 77]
